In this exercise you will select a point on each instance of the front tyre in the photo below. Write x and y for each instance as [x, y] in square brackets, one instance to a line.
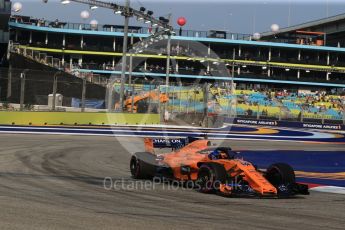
[210, 177]
[280, 174]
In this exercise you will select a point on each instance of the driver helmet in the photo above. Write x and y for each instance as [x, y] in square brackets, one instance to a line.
[217, 154]
[214, 155]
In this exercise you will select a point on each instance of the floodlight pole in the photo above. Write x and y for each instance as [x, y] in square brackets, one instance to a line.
[168, 57]
[124, 55]
[233, 71]
[232, 88]
[167, 78]
[131, 62]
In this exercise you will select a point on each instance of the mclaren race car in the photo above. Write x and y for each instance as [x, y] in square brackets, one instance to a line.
[213, 169]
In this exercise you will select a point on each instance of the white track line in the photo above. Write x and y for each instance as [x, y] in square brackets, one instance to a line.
[329, 189]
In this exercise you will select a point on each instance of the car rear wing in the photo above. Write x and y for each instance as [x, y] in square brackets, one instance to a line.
[173, 143]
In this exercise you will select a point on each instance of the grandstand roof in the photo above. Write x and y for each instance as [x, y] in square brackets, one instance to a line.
[313, 25]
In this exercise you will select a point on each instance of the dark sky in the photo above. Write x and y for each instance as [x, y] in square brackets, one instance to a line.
[235, 16]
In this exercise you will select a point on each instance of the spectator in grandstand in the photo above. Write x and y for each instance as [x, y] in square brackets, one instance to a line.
[56, 23]
[41, 22]
[249, 112]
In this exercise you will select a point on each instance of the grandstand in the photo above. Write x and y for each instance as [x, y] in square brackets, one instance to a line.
[257, 62]
[329, 30]
[5, 12]
[294, 74]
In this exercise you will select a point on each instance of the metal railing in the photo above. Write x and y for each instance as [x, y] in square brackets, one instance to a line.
[58, 64]
[117, 28]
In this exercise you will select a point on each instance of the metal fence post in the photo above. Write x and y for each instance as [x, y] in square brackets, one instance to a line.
[160, 112]
[150, 100]
[9, 83]
[206, 92]
[22, 90]
[173, 100]
[188, 104]
[194, 101]
[180, 109]
[54, 90]
[229, 108]
[83, 95]
[110, 95]
[132, 104]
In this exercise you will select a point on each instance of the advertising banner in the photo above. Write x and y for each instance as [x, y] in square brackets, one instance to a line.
[288, 124]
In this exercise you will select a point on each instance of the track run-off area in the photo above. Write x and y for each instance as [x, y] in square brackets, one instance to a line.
[57, 181]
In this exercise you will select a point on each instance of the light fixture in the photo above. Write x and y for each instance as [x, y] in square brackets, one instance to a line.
[17, 7]
[202, 60]
[244, 66]
[307, 71]
[256, 36]
[264, 67]
[93, 7]
[274, 28]
[287, 70]
[118, 11]
[94, 24]
[85, 14]
[64, 2]
[140, 18]
[189, 59]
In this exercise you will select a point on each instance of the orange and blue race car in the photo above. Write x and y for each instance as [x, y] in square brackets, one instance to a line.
[212, 169]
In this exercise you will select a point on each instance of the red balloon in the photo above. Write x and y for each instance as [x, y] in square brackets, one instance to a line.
[181, 21]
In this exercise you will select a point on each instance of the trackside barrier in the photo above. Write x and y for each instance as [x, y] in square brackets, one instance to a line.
[71, 118]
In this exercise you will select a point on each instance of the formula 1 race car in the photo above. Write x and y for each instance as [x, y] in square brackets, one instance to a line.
[213, 169]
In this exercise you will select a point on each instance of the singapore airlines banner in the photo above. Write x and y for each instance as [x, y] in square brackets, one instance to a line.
[305, 125]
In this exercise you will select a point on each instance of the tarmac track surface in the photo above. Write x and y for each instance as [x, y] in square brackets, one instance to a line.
[56, 182]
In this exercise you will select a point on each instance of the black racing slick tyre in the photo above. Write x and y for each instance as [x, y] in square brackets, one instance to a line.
[143, 165]
[210, 177]
[280, 174]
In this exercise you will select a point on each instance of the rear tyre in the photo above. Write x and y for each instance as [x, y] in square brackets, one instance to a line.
[210, 177]
[143, 165]
[280, 174]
